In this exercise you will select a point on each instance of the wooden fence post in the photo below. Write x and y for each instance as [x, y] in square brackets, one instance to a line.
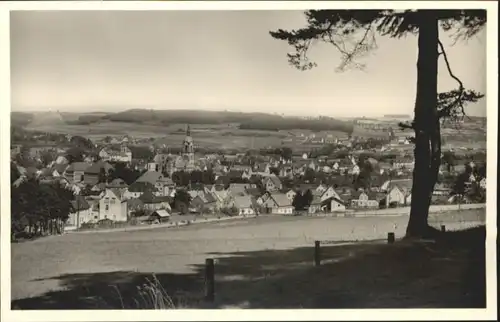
[443, 228]
[209, 280]
[390, 238]
[317, 253]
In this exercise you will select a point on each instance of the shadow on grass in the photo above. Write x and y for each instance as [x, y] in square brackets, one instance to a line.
[447, 274]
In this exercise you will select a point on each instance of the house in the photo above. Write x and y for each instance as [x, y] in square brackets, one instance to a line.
[262, 199]
[61, 159]
[384, 167]
[98, 188]
[136, 189]
[354, 170]
[118, 183]
[361, 199]
[233, 174]
[113, 205]
[312, 165]
[150, 177]
[153, 202]
[75, 171]
[404, 184]
[290, 194]
[334, 204]
[122, 155]
[272, 183]
[441, 190]
[482, 183]
[220, 195]
[286, 171]
[459, 199]
[395, 196]
[327, 193]
[278, 203]
[211, 202]
[76, 188]
[246, 205]
[82, 213]
[197, 203]
[242, 168]
[315, 206]
[254, 192]
[263, 168]
[59, 169]
[162, 184]
[159, 216]
[195, 193]
[326, 169]
[239, 189]
[321, 188]
[93, 172]
[247, 174]
[153, 166]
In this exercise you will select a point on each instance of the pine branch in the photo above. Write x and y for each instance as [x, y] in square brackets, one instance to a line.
[452, 104]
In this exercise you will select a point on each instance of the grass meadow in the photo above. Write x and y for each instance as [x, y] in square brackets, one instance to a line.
[252, 255]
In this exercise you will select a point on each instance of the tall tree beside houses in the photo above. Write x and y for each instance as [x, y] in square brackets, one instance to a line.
[182, 200]
[39, 209]
[339, 27]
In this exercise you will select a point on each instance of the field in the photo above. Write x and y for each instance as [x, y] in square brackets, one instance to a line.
[53, 272]
[218, 136]
[206, 136]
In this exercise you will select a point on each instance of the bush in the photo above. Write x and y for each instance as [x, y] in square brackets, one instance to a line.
[88, 225]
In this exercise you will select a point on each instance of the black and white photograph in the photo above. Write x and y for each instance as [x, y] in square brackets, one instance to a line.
[241, 155]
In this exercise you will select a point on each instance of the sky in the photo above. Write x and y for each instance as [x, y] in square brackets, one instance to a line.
[213, 60]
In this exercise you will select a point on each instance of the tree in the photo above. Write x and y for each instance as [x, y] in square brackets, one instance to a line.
[75, 154]
[208, 177]
[309, 175]
[196, 176]
[81, 142]
[14, 173]
[286, 153]
[298, 201]
[308, 197]
[476, 194]
[41, 208]
[182, 199]
[363, 179]
[340, 28]
[102, 177]
[181, 178]
[47, 157]
[121, 171]
[449, 160]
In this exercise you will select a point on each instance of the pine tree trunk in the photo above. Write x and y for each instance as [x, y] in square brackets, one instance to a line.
[427, 134]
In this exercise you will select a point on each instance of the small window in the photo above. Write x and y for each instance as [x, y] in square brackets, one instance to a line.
[107, 207]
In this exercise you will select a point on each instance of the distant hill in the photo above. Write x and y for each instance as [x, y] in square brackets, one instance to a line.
[250, 121]
[47, 118]
[20, 118]
[247, 121]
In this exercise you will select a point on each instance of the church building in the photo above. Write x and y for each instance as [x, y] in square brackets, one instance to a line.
[168, 163]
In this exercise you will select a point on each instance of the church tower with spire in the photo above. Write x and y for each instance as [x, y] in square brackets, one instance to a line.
[188, 150]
